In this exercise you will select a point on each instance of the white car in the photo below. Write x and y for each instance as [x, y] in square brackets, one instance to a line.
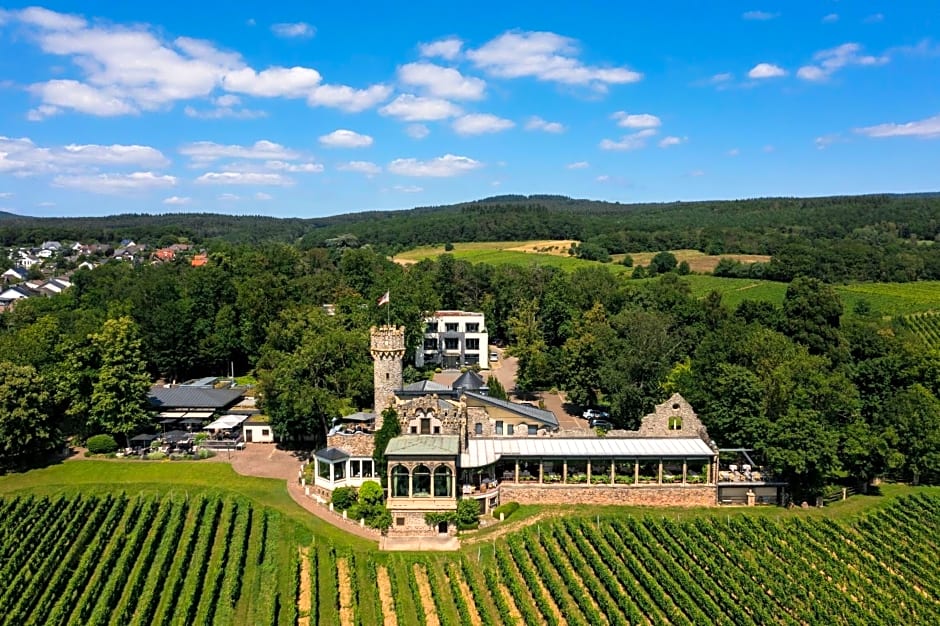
[494, 356]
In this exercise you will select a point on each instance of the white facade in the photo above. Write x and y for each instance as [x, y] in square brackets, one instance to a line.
[258, 432]
[454, 339]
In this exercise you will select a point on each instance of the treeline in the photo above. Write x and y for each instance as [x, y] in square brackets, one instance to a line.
[818, 398]
[834, 239]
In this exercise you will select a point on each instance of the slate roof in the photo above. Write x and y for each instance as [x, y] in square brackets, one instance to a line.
[424, 386]
[193, 397]
[523, 410]
[469, 381]
[423, 446]
[332, 454]
[358, 417]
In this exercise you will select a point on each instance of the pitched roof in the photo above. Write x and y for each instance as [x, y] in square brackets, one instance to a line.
[360, 416]
[423, 445]
[425, 385]
[524, 410]
[331, 454]
[469, 380]
[194, 397]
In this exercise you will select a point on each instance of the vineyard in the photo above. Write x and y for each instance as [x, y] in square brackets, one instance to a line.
[925, 326]
[114, 559]
[211, 558]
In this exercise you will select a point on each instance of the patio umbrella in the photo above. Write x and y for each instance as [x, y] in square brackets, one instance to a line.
[190, 422]
[175, 436]
[143, 438]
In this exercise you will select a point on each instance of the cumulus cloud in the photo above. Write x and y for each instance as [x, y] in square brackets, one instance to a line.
[368, 168]
[442, 82]
[244, 178]
[481, 123]
[274, 82]
[226, 107]
[202, 152]
[830, 18]
[928, 128]
[637, 120]
[448, 49]
[115, 183]
[441, 167]
[347, 98]
[411, 108]
[578, 165]
[874, 18]
[537, 123]
[71, 94]
[759, 16]
[633, 141]
[263, 196]
[294, 168]
[828, 62]
[547, 57]
[666, 142]
[22, 157]
[343, 138]
[417, 131]
[228, 197]
[293, 30]
[408, 188]
[177, 200]
[766, 70]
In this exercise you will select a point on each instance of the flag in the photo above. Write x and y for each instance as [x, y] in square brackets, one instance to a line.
[383, 299]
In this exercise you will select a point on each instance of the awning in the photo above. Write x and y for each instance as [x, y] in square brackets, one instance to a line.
[486, 451]
[226, 422]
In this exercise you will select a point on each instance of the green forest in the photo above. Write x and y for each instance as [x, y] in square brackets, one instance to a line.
[825, 394]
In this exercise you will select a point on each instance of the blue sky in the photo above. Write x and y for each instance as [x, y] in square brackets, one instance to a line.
[310, 109]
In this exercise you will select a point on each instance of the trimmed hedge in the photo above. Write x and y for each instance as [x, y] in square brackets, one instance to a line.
[506, 509]
[101, 444]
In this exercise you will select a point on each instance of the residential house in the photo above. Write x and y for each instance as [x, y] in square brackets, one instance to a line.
[199, 260]
[14, 275]
[10, 295]
[454, 339]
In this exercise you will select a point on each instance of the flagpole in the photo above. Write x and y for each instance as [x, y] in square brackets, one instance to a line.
[388, 311]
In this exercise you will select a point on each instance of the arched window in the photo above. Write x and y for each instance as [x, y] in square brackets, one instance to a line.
[399, 481]
[443, 479]
[421, 482]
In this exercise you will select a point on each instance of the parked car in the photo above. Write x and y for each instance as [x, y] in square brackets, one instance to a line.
[599, 423]
[494, 356]
[594, 414]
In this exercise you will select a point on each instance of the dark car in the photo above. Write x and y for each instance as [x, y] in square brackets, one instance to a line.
[600, 423]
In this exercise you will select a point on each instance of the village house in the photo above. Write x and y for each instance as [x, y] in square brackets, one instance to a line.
[454, 339]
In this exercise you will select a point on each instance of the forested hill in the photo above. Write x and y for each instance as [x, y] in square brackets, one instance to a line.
[754, 225]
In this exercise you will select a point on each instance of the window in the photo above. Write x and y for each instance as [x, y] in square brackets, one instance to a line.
[414, 430]
[499, 427]
[478, 428]
[429, 356]
[355, 469]
[421, 482]
[323, 469]
[425, 425]
[430, 344]
[399, 521]
[510, 429]
[451, 327]
[473, 327]
[367, 471]
[443, 479]
[265, 432]
[473, 344]
[399, 482]
[431, 327]
[437, 430]
[451, 344]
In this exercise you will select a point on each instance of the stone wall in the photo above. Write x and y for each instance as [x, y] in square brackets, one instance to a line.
[675, 411]
[387, 348]
[623, 495]
[360, 444]
[414, 525]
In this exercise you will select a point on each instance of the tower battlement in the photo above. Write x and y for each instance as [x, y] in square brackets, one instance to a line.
[387, 345]
[387, 342]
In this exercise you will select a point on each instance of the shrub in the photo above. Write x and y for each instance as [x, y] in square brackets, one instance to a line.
[506, 509]
[448, 246]
[468, 514]
[344, 497]
[156, 456]
[101, 444]
[370, 494]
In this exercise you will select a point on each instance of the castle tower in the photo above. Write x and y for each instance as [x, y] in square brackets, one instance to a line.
[388, 350]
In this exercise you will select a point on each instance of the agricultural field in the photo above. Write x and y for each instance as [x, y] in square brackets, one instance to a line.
[137, 551]
[924, 326]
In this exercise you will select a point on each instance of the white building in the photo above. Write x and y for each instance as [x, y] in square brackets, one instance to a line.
[453, 339]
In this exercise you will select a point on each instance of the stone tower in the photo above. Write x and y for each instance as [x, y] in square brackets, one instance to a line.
[388, 350]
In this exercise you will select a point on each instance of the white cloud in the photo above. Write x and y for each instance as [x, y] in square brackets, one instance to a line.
[928, 128]
[578, 165]
[6, 194]
[766, 70]
[537, 123]
[603, 178]
[445, 48]
[294, 30]
[274, 82]
[417, 131]
[723, 77]
[633, 141]
[759, 16]
[22, 157]
[294, 168]
[263, 196]
[832, 60]
[343, 138]
[442, 82]
[411, 108]
[666, 142]
[244, 178]
[825, 141]
[481, 123]
[45, 203]
[228, 197]
[71, 94]
[830, 18]
[408, 188]
[347, 98]
[177, 200]
[115, 183]
[368, 168]
[202, 152]
[441, 167]
[228, 100]
[223, 112]
[44, 18]
[733, 152]
[638, 120]
[696, 173]
[547, 57]
[874, 18]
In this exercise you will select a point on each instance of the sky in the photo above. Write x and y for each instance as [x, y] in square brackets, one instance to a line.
[310, 109]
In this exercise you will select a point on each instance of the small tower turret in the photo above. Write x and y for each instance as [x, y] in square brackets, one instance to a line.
[388, 350]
